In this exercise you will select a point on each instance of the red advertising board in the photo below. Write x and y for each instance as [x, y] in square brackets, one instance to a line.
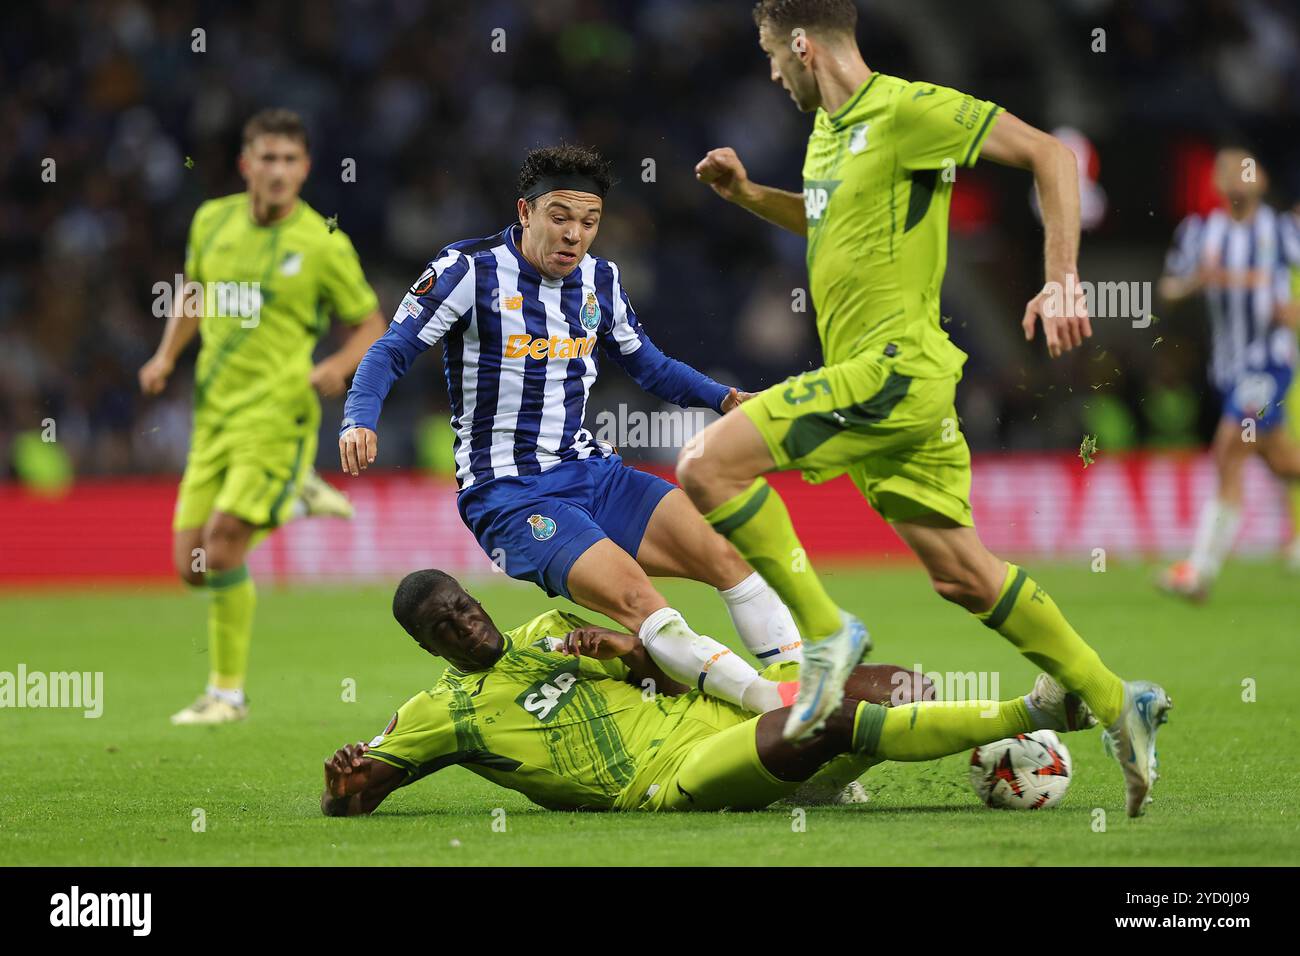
[1031, 505]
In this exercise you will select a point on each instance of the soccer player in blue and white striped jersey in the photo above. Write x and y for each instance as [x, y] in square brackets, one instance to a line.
[1239, 257]
[520, 314]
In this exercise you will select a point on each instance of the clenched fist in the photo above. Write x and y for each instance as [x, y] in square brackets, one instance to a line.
[722, 170]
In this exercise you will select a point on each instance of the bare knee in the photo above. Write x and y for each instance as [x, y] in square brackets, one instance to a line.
[189, 557]
[636, 600]
[225, 541]
[695, 472]
[190, 569]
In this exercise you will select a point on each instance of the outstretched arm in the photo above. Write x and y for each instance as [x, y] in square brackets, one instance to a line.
[722, 170]
[675, 381]
[437, 301]
[355, 784]
[1060, 306]
[602, 643]
[627, 344]
[385, 362]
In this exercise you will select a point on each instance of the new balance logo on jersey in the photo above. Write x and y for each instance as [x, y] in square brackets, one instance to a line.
[522, 346]
[817, 196]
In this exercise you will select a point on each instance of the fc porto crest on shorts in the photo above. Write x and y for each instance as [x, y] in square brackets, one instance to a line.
[542, 526]
[590, 314]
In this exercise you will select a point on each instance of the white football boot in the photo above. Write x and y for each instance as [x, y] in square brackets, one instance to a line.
[210, 709]
[320, 499]
[855, 792]
[1065, 709]
[825, 667]
[1132, 740]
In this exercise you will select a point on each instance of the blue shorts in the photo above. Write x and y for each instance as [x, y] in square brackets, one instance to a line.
[541, 524]
[1259, 395]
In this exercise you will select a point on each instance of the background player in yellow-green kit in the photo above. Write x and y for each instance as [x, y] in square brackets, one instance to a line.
[271, 271]
[576, 716]
[877, 185]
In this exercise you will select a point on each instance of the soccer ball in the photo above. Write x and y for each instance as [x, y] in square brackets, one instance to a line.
[1025, 772]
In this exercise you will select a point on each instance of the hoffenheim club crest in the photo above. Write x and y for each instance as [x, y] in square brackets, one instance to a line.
[590, 314]
[542, 526]
[858, 138]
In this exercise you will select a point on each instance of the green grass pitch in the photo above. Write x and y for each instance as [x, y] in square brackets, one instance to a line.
[122, 789]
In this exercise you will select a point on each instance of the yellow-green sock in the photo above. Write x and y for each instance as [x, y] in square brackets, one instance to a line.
[757, 524]
[929, 729]
[230, 626]
[1027, 616]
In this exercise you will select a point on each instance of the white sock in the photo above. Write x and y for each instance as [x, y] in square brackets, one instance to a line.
[694, 659]
[1215, 534]
[1041, 720]
[235, 696]
[764, 624]
[761, 696]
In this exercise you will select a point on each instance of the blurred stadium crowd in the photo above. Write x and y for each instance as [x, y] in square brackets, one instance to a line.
[141, 129]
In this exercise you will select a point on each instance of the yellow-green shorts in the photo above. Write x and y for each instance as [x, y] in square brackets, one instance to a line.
[710, 762]
[896, 437]
[250, 473]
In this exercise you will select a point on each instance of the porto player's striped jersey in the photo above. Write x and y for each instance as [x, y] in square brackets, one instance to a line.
[519, 356]
[1246, 270]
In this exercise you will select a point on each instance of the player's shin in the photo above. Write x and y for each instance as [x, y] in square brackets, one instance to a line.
[1027, 616]
[758, 526]
[700, 661]
[230, 631]
[927, 730]
[764, 624]
[1216, 533]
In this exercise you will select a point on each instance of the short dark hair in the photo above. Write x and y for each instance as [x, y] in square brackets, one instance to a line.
[566, 159]
[414, 592]
[276, 121]
[837, 16]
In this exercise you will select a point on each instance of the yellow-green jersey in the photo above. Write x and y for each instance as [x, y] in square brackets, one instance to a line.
[268, 292]
[878, 179]
[566, 733]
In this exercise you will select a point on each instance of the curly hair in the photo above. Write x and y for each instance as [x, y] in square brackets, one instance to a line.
[565, 159]
[836, 16]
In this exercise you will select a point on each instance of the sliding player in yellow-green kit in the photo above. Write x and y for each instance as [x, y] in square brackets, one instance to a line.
[263, 273]
[580, 717]
[878, 179]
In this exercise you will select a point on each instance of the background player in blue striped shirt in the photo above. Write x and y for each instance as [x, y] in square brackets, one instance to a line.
[1238, 257]
[519, 314]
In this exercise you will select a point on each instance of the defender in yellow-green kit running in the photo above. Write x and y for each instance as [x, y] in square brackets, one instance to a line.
[263, 273]
[878, 179]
